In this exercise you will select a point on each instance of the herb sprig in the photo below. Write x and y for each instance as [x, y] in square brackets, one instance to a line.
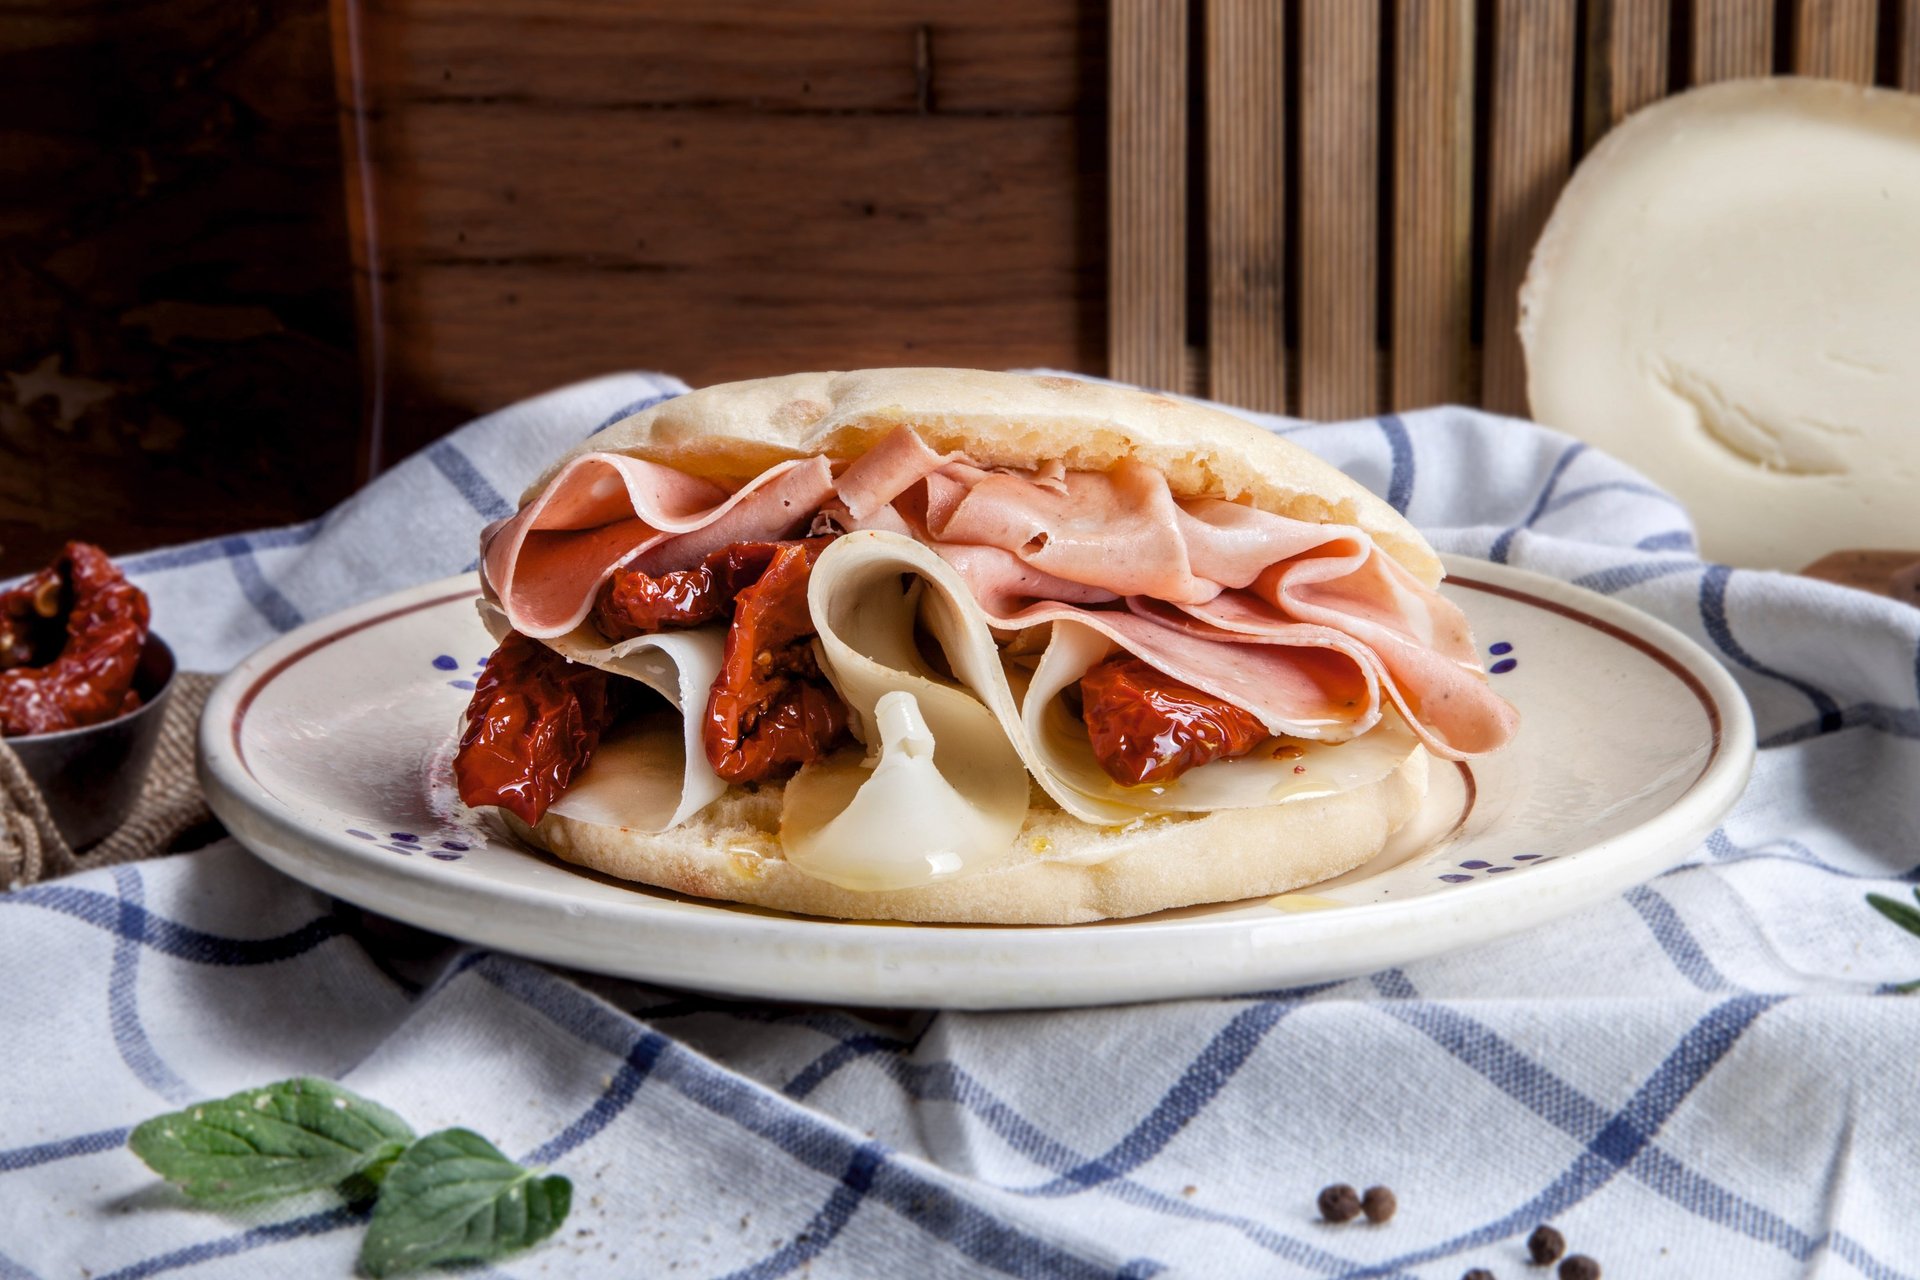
[1904, 916]
[448, 1197]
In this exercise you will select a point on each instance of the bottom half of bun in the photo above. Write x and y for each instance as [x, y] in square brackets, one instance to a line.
[731, 851]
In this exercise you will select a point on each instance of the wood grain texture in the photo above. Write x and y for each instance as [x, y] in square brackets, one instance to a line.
[1626, 61]
[1147, 226]
[546, 189]
[798, 55]
[1835, 39]
[1529, 157]
[1433, 161]
[1731, 39]
[1339, 206]
[899, 260]
[1906, 58]
[1246, 213]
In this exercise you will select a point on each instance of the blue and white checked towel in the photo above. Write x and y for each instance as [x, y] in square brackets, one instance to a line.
[1707, 1077]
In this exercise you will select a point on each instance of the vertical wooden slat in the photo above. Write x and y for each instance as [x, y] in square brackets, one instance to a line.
[1626, 43]
[1529, 153]
[1906, 60]
[1246, 237]
[1834, 38]
[1432, 201]
[1339, 206]
[1731, 39]
[1147, 195]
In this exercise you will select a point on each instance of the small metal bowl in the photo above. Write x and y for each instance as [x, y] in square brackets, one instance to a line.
[92, 775]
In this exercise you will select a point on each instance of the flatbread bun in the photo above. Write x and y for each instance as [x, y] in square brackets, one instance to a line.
[733, 431]
[731, 850]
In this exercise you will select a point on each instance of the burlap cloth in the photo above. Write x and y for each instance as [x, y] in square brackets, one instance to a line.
[169, 807]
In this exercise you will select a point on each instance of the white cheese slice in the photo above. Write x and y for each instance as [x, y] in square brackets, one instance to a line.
[1277, 771]
[900, 821]
[624, 784]
[856, 590]
[944, 791]
[1727, 296]
[943, 788]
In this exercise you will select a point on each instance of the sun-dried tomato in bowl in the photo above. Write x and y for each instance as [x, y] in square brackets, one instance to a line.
[70, 641]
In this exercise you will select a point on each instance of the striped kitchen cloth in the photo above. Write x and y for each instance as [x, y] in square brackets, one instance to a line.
[1710, 1076]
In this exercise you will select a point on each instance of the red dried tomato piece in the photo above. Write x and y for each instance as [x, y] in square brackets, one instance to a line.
[533, 724]
[1148, 727]
[70, 641]
[634, 603]
[771, 710]
[637, 604]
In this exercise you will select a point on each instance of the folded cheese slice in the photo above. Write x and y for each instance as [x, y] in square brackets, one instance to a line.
[943, 790]
[653, 775]
[1310, 626]
[1276, 772]
[1018, 725]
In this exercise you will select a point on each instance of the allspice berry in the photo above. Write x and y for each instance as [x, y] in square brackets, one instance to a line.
[1545, 1245]
[1339, 1203]
[1579, 1267]
[1378, 1204]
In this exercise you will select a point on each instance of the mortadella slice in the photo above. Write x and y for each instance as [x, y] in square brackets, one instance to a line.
[1324, 694]
[545, 563]
[1311, 627]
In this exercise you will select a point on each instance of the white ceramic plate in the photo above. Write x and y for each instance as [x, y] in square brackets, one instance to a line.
[328, 753]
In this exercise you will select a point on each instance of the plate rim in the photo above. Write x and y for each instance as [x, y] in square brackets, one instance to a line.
[427, 896]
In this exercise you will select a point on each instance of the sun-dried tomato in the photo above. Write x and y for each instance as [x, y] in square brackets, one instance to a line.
[637, 604]
[534, 722]
[1148, 727]
[70, 641]
[634, 603]
[771, 710]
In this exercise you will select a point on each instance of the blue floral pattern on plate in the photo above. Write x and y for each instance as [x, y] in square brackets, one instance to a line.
[448, 845]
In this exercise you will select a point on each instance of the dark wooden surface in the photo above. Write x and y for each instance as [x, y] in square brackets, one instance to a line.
[176, 327]
[721, 190]
[558, 188]
[228, 227]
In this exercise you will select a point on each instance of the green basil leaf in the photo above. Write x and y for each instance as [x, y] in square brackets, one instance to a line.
[1898, 912]
[298, 1135]
[453, 1197]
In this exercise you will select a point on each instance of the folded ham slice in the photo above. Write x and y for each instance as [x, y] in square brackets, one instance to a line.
[1311, 627]
[545, 563]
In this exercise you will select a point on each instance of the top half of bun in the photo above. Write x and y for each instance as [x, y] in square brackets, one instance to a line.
[732, 431]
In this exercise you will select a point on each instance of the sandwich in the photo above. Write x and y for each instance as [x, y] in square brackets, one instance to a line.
[949, 645]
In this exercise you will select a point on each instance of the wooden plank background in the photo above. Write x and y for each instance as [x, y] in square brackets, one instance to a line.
[556, 188]
[1147, 188]
[1306, 205]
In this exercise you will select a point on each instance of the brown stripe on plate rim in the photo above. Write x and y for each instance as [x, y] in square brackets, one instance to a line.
[307, 650]
[1628, 638]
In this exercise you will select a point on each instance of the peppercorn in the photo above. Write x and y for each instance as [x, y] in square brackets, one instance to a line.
[1545, 1245]
[1378, 1204]
[1478, 1273]
[1339, 1202]
[1579, 1267]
